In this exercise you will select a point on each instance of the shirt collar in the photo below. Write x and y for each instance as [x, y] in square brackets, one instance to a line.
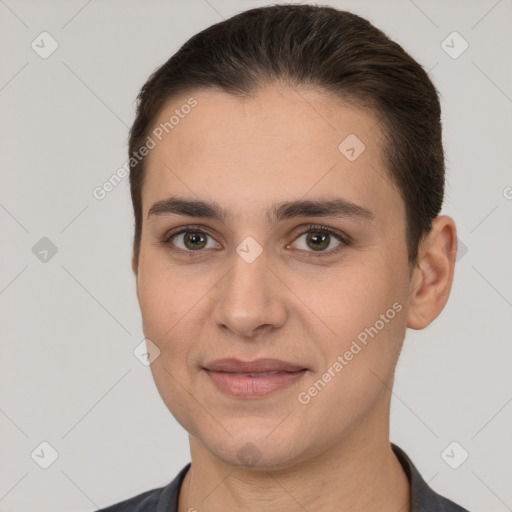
[423, 498]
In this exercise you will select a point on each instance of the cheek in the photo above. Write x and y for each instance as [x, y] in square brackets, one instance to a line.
[366, 326]
[349, 301]
[174, 306]
[363, 315]
[165, 297]
[170, 307]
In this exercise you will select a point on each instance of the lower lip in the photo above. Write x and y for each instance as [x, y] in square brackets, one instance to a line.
[244, 386]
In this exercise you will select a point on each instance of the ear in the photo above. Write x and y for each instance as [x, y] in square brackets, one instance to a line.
[433, 276]
[134, 265]
[135, 268]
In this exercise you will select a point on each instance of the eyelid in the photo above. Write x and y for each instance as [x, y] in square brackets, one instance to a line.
[343, 237]
[168, 235]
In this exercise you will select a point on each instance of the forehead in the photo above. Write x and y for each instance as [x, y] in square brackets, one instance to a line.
[280, 143]
[275, 114]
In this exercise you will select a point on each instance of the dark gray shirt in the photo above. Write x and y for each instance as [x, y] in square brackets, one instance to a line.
[165, 499]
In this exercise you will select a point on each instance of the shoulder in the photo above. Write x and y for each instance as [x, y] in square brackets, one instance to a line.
[144, 502]
[423, 498]
[155, 500]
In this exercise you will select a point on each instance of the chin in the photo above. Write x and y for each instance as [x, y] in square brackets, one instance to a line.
[255, 448]
[254, 456]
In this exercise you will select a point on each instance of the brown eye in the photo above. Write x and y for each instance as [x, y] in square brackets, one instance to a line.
[190, 240]
[194, 240]
[318, 241]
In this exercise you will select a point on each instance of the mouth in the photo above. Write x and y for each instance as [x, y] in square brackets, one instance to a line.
[253, 379]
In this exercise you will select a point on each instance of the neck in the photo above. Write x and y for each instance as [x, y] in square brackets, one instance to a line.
[358, 474]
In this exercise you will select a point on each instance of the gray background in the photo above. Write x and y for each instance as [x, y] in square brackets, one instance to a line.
[69, 324]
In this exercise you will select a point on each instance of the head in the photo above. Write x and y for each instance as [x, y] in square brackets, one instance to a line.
[260, 126]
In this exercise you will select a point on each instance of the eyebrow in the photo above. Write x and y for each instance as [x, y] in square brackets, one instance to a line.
[334, 208]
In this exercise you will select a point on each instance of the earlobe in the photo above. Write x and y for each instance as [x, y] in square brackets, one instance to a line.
[433, 277]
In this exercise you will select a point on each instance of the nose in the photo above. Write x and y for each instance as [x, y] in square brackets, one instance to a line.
[250, 299]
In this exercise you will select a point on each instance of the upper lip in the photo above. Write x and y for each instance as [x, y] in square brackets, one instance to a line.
[257, 365]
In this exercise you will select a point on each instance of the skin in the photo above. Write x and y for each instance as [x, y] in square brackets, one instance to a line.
[333, 453]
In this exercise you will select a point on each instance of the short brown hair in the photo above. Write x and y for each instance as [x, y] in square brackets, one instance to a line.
[322, 48]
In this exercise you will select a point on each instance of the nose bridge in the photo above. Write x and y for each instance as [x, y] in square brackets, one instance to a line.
[248, 297]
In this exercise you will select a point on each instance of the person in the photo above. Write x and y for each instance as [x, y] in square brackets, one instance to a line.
[287, 176]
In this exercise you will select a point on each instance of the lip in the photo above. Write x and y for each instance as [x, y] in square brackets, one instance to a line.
[237, 378]
[233, 365]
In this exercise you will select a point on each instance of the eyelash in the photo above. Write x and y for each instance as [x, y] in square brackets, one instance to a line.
[344, 240]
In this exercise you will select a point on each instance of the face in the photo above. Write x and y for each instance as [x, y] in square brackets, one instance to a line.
[307, 265]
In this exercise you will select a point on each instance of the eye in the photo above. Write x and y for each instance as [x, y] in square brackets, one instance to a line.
[319, 238]
[190, 239]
